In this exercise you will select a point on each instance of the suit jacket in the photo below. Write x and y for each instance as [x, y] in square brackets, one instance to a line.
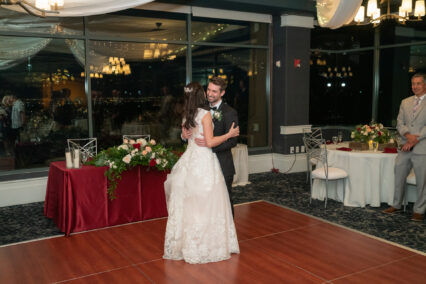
[413, 124]
[223, 151]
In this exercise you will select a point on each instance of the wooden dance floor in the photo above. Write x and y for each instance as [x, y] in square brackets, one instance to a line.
[277, 246]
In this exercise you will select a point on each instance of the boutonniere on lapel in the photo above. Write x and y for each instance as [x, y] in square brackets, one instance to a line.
[217, 115]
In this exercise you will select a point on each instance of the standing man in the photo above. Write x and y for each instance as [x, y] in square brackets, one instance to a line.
[223, 116]
[17, 118]
[411, 126]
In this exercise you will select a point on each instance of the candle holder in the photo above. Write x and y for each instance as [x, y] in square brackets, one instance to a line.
[76, 159]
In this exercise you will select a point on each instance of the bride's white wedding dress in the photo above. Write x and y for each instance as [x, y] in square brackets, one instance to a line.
[200, 227]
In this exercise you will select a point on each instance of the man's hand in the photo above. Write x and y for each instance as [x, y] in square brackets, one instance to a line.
[412, 138]
[407, 146]
[186, 133]
[200, 141]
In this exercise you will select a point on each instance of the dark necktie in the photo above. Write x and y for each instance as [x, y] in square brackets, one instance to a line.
[213, 108]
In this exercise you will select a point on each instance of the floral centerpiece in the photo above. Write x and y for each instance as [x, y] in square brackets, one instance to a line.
[375, 132]
[133, 153]
[372, 132]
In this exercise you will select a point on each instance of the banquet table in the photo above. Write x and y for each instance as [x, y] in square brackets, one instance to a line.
[77, 200]
[370, 177]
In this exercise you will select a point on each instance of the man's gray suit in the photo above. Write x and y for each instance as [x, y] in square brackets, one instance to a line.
[412, 123]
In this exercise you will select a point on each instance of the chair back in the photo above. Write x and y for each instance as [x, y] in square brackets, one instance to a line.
[313, 132]
[317, 150]
[88, 147]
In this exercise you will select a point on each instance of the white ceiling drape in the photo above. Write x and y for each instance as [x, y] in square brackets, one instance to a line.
[79, 8]
[335, 13]
[13, 50]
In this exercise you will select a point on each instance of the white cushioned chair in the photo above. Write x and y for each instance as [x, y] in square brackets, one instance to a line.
[317, 150]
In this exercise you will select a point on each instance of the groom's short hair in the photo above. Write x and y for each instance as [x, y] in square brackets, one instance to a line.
[219, 82]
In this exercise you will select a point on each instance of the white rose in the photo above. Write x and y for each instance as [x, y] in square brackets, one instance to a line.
[352, 135]
[153, 156]
[126, 141]
[142, 142]
[158, 161]
[152, 142]
[125, 147]
[391, 140]
[132, 141]
[127, 158]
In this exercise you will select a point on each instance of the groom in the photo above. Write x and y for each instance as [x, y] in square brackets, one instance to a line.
[223, 116]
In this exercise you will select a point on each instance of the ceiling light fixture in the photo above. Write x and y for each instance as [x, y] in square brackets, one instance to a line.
[39, 9]
[405, 13]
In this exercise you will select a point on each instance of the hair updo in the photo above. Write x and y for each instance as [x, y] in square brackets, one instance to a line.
[194, 99]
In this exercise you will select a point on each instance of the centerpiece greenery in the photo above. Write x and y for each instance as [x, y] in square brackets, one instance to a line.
[133, 153]
[374, 131]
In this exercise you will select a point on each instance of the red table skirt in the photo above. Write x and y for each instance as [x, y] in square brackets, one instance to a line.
[77, 200]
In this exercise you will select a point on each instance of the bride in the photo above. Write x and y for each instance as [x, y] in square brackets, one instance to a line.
[200, 227]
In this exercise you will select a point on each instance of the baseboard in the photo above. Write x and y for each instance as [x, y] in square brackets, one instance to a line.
[34, 189]
[284, 163]
[22, 191]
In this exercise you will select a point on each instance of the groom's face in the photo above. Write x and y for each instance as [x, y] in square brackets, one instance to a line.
[214, 94]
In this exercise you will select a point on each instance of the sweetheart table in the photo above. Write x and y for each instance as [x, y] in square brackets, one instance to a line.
[77, 199]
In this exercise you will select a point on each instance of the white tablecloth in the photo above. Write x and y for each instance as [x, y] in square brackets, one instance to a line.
[240, 156]
[370, 181]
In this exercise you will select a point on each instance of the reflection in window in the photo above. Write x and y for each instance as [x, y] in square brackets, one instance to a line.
[245, 72]
[395, 78]
[346, 37]
[143, 98]
[341, 88]
[210, 30]
[12, 21]
[137, 27]
[43, 100]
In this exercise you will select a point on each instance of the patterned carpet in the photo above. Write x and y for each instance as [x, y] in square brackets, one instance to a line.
[26, 222]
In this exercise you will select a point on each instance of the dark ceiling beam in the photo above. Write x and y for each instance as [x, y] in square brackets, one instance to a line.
[274, 7]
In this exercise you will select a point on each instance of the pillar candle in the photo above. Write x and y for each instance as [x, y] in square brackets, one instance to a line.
[68, 159]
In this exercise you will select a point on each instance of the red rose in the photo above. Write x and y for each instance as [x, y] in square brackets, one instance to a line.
[152, 163]
[358, 129]
[137, 146]
[379, 133]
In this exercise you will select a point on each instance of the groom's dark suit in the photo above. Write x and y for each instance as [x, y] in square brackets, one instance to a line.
[223, 151]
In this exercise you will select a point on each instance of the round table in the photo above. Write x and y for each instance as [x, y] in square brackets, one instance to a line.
[370, 177]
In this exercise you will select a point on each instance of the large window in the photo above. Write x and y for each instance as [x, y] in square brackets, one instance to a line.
[120, 74]
[341, 86]
[145, 98]
[43, 100]
[245, 71]
[400, 51]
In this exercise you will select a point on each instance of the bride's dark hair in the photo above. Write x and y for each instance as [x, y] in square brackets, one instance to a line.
[194, 99]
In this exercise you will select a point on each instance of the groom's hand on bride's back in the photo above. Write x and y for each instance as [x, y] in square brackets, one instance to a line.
[201, 141]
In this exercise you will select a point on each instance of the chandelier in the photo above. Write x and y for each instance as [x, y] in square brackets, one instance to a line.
[405, 13]
[40, 7]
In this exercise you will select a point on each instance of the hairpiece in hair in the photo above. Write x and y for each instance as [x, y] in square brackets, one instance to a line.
[187, 89]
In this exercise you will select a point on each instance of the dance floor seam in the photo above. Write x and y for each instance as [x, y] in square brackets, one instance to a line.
[374, 267]
[278, 245]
